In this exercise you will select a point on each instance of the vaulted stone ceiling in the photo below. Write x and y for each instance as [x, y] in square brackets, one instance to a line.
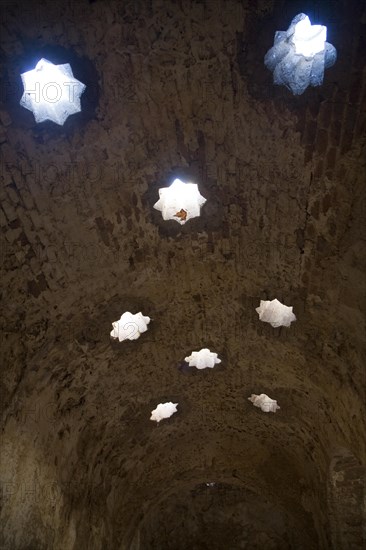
[179, 89]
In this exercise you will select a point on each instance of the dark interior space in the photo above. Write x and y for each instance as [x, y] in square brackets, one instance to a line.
[179, 89]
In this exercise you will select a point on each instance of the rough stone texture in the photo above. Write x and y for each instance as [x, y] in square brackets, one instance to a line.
[181, 90]
[347, 504]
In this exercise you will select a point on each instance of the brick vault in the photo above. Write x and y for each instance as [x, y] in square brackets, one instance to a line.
[178, 89]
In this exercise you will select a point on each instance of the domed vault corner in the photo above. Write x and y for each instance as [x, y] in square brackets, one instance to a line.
[179, 90]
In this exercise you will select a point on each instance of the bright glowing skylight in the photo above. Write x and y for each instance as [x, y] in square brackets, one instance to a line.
[163, 410]
[203, 359]
[309, 39]
[51, 92]
[300, 55]
[180, 202]
[129, 326]
[265, 403]
[275, 313]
